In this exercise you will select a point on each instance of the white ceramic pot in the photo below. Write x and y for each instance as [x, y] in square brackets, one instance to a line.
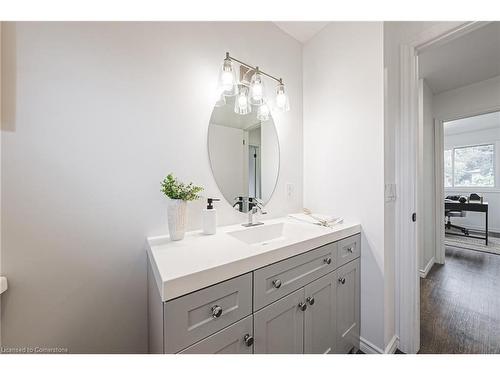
[177, 218]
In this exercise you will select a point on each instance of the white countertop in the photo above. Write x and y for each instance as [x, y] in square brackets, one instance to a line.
[198, 261]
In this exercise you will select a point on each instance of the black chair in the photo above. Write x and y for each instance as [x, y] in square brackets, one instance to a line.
[449, 214]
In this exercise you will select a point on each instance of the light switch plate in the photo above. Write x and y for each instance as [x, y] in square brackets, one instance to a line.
[390, 192]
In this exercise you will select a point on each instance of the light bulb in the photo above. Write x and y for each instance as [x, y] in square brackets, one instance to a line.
[257, 89]
[257, 92]
[220, 99]
[241, 104]
[242, 101]
[227, 80]
[263, 112]
[282, 102]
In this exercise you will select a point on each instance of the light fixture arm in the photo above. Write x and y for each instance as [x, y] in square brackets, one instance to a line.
[256, 68]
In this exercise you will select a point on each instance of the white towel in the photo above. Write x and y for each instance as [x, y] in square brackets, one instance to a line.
[317, 219]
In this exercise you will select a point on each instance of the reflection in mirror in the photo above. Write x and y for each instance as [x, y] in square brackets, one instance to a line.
[244, 155]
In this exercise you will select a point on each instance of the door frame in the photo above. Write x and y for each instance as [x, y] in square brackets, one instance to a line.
[407, 178]
[439, 189]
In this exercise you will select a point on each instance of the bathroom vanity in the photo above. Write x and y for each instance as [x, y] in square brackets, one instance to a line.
[282, 287]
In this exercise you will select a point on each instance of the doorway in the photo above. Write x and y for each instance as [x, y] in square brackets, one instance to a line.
[409, 181]
[451, 85]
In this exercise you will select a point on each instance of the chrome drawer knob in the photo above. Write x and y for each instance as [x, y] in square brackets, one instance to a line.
[302, 306]
[310, 300]
[342, 280]
[248, 340]
[277, 283]
[327, 260]
[216, 311]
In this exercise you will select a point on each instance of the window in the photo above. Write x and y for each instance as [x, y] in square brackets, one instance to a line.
[471, 166]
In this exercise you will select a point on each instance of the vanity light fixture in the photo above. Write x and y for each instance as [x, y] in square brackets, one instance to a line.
[251, 93]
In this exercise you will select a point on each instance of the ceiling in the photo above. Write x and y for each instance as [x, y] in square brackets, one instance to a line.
[475, 123]
[471, 58]
[302, 31]
[225, 116]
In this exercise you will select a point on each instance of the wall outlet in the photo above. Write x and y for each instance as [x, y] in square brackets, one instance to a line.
[289, 191]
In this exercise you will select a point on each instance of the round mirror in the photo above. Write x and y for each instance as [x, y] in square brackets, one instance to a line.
[244, 155]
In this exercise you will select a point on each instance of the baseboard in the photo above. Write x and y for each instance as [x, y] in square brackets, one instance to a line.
[392, 346]
[427, 268]
[369, 348]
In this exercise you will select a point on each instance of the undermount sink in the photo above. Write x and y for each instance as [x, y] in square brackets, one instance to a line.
[261, 234]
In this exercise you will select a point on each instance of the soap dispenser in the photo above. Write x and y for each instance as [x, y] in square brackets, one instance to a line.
[210, 217]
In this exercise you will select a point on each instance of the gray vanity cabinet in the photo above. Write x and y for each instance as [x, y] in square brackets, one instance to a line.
[308, 303]
[348, 297]
[320, 316]
[279, 327]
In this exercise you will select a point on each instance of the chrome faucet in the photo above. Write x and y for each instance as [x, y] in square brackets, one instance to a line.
[257, 207]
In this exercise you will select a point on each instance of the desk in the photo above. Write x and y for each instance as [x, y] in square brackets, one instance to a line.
[474, 206]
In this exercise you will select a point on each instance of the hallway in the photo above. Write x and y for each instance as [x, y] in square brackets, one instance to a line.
[460, 304]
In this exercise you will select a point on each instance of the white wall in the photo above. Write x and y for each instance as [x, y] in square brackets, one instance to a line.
[344, 147]
[102, 112]
[428, 250]
[466, 101]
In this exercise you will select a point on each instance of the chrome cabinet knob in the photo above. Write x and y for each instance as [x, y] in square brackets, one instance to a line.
[342, 280]
[216, 311]
[327, 260]
[248, 339]
[277, 283]
[310, 300]
[302, 306]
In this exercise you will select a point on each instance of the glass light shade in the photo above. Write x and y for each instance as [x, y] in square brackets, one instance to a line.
[282, 102]
[263, 112]
[241, 102]
[220, 99]
[227, 79]
[257, 89]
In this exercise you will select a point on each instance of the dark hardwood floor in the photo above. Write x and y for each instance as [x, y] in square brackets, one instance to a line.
[460, 304]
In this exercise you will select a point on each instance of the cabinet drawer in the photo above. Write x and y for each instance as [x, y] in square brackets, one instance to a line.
[197, 315]
[279, 279]
[230, 340]
[349, 249]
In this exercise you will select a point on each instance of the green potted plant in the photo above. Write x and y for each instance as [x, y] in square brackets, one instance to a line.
[179, 194]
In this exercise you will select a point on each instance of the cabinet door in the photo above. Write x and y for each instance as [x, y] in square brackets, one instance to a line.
[279, 327]
[348, 282]
[320, 316]
[235, 339]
